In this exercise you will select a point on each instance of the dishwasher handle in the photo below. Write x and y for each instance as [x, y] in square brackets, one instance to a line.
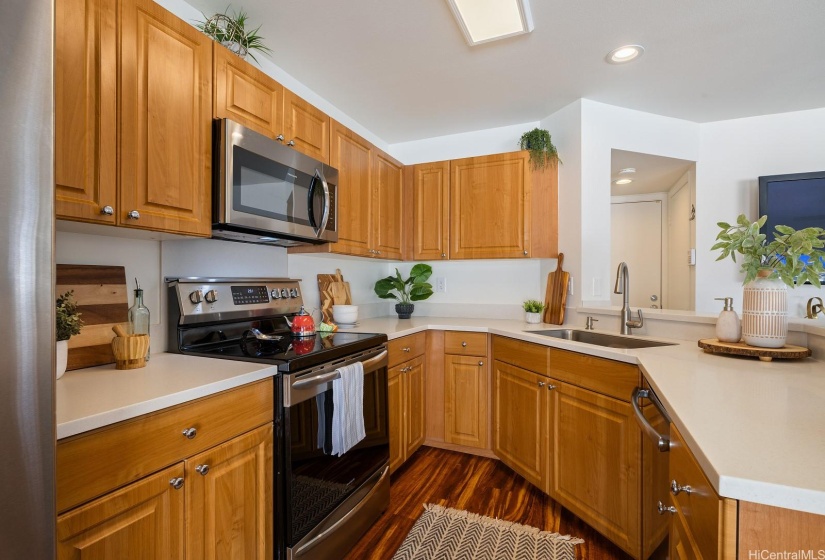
[662, 442]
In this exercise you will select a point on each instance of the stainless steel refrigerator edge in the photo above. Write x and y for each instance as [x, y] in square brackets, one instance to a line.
[27, 384]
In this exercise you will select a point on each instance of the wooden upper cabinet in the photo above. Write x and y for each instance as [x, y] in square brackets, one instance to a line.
[431, 210]
[307, 127]
[388, 200]
[246, 95]
[85, 106]
[351, 155]
[165, 122]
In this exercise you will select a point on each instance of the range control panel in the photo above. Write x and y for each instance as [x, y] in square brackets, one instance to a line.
[214, 299]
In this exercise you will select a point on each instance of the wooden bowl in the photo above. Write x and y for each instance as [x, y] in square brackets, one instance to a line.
[130, 351]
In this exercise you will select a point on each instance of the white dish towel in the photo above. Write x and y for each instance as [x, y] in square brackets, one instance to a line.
[348, 408]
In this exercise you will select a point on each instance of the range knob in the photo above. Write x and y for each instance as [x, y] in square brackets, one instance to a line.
[276, 294]
[211, 296]
[196, 297]
[293, 292]
[284, 293]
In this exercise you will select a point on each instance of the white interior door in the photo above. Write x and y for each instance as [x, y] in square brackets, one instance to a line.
[636, 238]
[680, 273]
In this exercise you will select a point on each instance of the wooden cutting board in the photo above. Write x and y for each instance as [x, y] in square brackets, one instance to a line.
[556, 295]
[787, 352]
[102, 300]
[330, 286]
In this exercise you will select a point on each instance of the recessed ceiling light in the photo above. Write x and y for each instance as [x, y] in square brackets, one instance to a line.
[625, 181]
[627, 170]
[625, 53]
[487, 20]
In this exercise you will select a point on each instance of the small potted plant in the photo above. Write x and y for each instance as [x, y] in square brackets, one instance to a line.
[541, 148]
[793, 257]
[231, 32]
[533, 309]
[414, 288]
[68, 324]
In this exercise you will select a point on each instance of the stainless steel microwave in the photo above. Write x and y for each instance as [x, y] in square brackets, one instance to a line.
[268, 193]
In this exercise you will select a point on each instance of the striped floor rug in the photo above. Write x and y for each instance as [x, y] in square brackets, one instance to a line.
[452, 534]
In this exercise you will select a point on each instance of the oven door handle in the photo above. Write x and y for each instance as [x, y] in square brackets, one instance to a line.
[310, 382]
[662, 442]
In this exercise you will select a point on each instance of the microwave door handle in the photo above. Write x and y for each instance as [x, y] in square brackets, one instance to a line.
[325, 219]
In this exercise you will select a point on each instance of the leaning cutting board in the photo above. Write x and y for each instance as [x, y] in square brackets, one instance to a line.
[556, 294]
[330, 285]
[102, 300]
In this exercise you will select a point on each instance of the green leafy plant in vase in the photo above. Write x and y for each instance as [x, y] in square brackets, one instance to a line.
[231, 32]
[792, 257]
[532, 310]
[414, 288]
[541, 148]
[67, 324]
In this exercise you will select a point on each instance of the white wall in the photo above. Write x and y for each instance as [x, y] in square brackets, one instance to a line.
[733, 155]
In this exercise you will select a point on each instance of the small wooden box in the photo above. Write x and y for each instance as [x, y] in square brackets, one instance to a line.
[130, 351]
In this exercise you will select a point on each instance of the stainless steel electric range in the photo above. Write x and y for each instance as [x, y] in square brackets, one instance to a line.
[323, 503]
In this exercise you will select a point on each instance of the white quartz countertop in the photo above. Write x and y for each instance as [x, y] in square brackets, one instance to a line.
[94, 397]
[756, 428]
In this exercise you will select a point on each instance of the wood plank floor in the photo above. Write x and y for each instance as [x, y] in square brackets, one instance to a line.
[475, 484]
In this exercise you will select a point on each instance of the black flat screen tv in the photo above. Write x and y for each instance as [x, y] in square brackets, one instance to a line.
[796, 200]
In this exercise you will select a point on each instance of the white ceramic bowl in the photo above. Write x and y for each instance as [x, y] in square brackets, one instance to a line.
[345, 314]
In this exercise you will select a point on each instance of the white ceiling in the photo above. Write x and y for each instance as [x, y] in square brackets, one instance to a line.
[403, 70]
[653, 174]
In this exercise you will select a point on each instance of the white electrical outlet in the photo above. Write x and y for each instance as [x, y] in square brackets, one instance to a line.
[441, 285]
[570, 286]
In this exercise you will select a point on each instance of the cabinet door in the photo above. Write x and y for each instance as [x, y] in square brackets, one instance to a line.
[85, 109]
[307, 126]
[596, 458]
[520, 427]
[680, 544]
[246, 95]
[351, 156]
[397, 416]
[431, 210]
[166, 122]
[229, 499]
[490, 207]
[387, 187]
[465, 401]
[415, 405]
[144, 520]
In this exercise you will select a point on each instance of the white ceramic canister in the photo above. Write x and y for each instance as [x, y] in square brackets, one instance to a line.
[765, 313]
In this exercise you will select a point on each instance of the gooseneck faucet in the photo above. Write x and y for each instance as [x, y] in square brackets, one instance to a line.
[623, 287]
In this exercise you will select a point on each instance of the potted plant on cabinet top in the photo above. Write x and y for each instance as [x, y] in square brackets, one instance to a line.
[532, 310]
[68, 324]
[231, 32]
[541, 148]
[414, 288]
[793, 257]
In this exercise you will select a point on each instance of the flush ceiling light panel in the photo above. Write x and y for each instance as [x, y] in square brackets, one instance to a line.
[625, 53]
[482, 21]
[626, 181]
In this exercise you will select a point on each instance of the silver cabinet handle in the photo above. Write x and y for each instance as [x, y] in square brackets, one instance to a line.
[550, 386]
[280, 138]
[405, 349]
[481, 363]
[675, 489]
[542, 383]
[291, 143]
[133, 215]
[177, 483]
[202, 469]
[463, 344]
[525, 253]
[663, 509]
[190, 433]
[662, 442]
[107, 210]
[378, 252]
[443, 255]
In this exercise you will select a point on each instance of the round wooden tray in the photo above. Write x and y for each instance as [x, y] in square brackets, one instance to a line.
[787, 352]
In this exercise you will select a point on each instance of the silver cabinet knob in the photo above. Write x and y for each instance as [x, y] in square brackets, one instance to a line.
[280, 138]
[196, 297]
[133, 215]
[291, 143]
[542, 383]
[663, 509]
[202, 469]
[405, 349]
[525, 253]
[463, 344]
[481, 363]
[443, 255]
[211, 296]
[190, 433]
[675, 489]
[177, 483]
[107, 210]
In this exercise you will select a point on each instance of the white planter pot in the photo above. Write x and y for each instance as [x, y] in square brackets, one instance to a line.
[533, 318]
[765, 313]
[62, 357]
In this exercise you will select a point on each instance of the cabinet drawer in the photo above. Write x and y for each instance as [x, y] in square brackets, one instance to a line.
[526, 355]
[608, 377]
[89, 465]
[405, 348]
[700, 509]
[465, 343]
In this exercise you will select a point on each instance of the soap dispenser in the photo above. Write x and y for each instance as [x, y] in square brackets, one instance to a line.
[728, 326]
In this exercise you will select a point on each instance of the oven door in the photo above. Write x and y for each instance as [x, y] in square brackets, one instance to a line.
[331, 501]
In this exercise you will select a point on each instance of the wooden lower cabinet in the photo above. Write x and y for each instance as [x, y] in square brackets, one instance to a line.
[406, 410]
[466, 407]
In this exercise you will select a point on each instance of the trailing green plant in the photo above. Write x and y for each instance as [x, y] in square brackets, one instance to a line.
[541, 148]
[414, 288]
[793, 254]
[533, 306]
[231, 32]
[68, 321]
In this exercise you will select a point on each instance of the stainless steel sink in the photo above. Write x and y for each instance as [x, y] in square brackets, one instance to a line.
[600, 339]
